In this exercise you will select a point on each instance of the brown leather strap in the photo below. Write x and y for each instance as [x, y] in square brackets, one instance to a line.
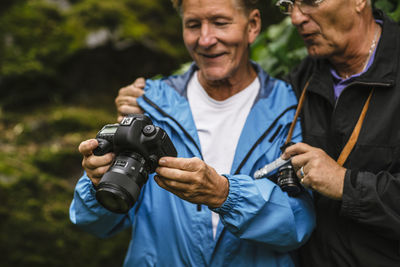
[296, 115]
[354, 135]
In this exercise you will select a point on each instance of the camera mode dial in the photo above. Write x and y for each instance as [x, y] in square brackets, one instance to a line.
[149, 130]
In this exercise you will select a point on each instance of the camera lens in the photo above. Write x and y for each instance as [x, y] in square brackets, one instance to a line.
[138, 145]
[119, 188]
[114, 199]
[287, 180]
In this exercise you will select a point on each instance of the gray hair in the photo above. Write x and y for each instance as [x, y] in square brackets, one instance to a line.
[248, 5]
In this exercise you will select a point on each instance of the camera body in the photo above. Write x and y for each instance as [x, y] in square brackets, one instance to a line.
[285, 176]
[138, 145]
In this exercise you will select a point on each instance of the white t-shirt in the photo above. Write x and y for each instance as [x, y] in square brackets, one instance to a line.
[219, 125]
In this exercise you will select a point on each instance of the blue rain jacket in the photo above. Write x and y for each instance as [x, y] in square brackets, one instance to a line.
[259, 224]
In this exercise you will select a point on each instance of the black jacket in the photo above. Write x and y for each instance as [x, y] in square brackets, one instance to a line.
[364, 228]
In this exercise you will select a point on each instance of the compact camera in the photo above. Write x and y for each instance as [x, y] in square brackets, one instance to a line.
[285, 177]
[287, 180]
[138, 145]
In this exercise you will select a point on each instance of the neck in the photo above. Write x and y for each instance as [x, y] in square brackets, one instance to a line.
[225, 88]
[356, 62]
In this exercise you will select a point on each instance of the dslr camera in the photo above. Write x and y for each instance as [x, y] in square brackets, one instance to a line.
[285, 176]
[138, 145]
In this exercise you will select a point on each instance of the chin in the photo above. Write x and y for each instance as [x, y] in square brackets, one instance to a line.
[316, 52]
[214, 75]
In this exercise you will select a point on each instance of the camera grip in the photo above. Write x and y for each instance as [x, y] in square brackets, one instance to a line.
[103, 148]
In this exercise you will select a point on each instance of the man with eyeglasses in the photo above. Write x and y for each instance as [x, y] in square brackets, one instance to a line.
[353, 51]
[350, 157]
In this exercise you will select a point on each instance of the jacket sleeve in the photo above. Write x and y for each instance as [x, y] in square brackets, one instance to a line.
[88, 214]
[259, 210]
[373, 200]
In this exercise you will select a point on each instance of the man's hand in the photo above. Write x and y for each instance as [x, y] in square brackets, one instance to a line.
[192, 180]
[95, 166]
[126, 99]
[321, 172]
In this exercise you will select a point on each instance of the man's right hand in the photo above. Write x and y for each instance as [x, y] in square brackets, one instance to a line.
[95, 166]
[126, 99]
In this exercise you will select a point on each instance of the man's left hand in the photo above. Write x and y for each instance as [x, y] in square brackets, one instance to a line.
[126, 101]
[192, 180]
[321, 172]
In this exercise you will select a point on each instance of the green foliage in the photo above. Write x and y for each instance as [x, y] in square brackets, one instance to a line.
[62, 49]
[34, 32]
[39, 167]
[53, 46]
[278, 48]
[26, 48]
[35, 230]
[391, 7]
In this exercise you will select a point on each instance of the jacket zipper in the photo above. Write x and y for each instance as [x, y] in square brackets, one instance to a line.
[372, 84]
[151, 103]
[259, 140]
[262, 137]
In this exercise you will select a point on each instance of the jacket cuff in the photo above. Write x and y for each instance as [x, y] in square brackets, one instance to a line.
[92, 190]
[233, 196]
[351, 195]
[86, 191]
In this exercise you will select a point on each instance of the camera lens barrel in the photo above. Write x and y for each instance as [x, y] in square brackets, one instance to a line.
[116, 193]
[119, 188]
[288, 181]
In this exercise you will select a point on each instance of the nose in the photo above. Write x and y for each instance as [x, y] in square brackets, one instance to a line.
[298, 18]
[207, 36]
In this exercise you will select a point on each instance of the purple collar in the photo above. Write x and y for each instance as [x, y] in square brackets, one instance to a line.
[340, 83]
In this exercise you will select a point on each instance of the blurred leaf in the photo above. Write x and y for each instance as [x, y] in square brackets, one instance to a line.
[279, 48]
[39, 166]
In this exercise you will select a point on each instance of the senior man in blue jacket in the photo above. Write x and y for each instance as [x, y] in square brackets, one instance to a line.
[227, 118]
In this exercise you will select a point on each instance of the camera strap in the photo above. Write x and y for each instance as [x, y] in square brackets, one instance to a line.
[296, 115]
[354, 135]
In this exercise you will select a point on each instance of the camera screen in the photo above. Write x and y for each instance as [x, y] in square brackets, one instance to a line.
[109, 130]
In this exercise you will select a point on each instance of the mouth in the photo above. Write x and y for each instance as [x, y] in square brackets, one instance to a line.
[211, 56]
[307, 36]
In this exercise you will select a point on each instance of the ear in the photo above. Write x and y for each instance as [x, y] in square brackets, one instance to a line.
[254, 26]
[360, 5]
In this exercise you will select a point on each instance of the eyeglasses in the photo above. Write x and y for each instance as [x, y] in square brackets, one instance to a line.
[305, 6]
